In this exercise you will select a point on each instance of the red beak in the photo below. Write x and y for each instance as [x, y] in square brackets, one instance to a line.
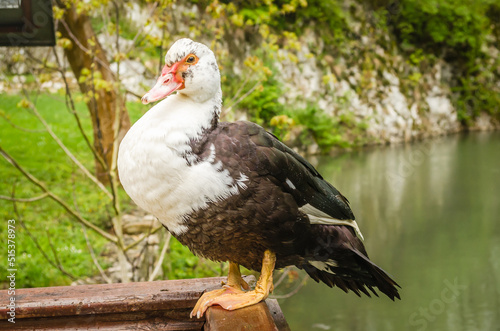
[169, 81]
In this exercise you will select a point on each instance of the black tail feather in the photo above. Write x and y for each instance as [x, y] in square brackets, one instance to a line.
[384, 282]
[358, 281]
[363, 289]
[338, 258]
[373, 291]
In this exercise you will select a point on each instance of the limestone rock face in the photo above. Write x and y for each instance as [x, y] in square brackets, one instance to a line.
[377, 96]
[368, 80]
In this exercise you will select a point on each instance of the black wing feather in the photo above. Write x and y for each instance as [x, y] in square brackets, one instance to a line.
[248, 148]
[311, 188]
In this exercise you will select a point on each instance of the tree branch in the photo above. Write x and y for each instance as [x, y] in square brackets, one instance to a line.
[67, 151]
[57, 199]
[89, 246]
[40, 197]
[83, 48]
[40, 249]
[292, 292]
[240, 89]
[18, 127]
[54, 252]
[141, 28]
[157, 268]
[282, 277]
[72, 108]
[250, 91]
[94, 258]
[132, 245]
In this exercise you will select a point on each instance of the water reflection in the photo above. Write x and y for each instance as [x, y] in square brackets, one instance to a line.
[430, 214]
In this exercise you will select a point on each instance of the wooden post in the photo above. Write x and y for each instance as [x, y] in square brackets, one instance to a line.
[248, 318]
[159, 305]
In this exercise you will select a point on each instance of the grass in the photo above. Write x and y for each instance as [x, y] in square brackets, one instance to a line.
[39, 154]
[60, 236]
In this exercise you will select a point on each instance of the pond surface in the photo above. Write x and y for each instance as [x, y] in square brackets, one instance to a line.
[430, 215]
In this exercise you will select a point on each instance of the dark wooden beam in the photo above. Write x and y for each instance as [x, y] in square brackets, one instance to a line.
[248, 318]
[159, 305]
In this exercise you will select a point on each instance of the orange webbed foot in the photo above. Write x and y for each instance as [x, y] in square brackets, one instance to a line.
[231, 296]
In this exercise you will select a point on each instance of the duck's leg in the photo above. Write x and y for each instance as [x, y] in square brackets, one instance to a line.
[231, 297]
[234, 278]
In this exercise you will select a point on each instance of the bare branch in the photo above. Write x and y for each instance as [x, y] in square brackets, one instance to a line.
[71, 107]
[54, 252]
[84, 230]
[54, 197]
[117, 42]
[43, 63]
[18, 127]
[67, 151]
[240, 89]
[40, 197]
[94, 258]
[250, 91]
[133, 94]
[83, 48]
[132, 245]
[141, 28]
[159, 263]
[35, 241]
[282, 277]
[292, 292]
[113, 173]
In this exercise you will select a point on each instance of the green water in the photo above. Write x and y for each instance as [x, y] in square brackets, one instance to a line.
[430, 215]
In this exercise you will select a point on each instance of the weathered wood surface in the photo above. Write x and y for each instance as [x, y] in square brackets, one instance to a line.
[241, 319]
[159, 305]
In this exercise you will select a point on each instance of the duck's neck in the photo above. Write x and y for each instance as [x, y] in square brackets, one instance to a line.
[180, 116]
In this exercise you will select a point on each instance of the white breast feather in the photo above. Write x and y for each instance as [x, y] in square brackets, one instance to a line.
[158, 178]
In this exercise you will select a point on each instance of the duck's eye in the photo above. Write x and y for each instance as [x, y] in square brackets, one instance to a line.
[191, 59]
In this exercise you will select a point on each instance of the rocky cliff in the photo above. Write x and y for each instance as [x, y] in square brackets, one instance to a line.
[317, 93]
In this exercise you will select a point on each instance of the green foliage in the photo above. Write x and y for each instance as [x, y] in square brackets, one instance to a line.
[263, 104]
[342, 131]
[264, 107]
[57, 233]
[181, 263]
[427, 31]
[456, 30]
[473, 97]
[327, 18]
[37, 152]
[325, 129]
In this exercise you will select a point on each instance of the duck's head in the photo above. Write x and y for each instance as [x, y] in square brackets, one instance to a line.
[191, 69]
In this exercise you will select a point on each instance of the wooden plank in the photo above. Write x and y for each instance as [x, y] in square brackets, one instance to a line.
[256, 317]
[101, 322]
[159, 305]
[277, 314]
[107, 298]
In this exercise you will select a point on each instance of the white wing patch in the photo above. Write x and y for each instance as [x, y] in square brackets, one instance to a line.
[316, 216]
[241, 181]
[290, 184]
[323, 266]
[211, 157]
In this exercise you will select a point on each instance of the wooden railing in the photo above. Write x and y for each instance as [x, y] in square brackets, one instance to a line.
[159, 305]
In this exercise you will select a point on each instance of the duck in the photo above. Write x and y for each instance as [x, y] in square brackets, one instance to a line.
[233, 192]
